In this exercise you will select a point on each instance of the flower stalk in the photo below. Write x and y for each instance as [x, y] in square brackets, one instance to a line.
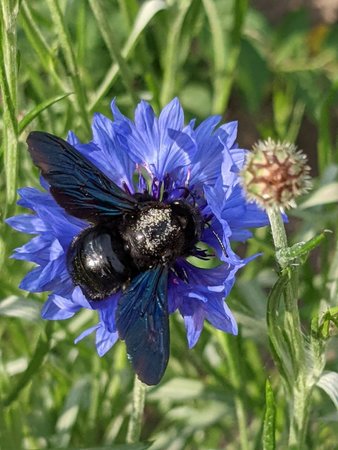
[274, 175]
[300, 394]
[135, 423]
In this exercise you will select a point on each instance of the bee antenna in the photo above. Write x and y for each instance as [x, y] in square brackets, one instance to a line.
[218, 239]
[188, 192]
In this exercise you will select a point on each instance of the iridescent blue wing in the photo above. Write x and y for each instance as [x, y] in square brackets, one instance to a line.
[77, 185]
[142, 321]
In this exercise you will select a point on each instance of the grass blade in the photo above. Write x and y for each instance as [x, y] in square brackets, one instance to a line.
[146, 13]
[70, 59]
[170, 60]
[219, 53]
[8, 87]
[269, 428]
[113, 47]
[40, 352]
[226, 50]
[29, 117]
[325, 147]
[39, 44]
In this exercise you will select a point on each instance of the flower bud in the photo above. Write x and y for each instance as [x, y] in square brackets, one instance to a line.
[275, 173]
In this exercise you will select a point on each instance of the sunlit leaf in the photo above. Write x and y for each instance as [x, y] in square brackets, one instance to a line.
[329, 383]
[21, 308]
[324, 195]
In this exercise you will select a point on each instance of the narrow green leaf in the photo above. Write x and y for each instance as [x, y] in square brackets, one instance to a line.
[21, 308]
[29, 117]
[8, 89]
[38, 42]
[326, 326]
[326, 153]
[11, 429]
[322, 196]
[226, 50]
[42, 348]
[219, 53]
[301, 249]
[332, 279]
[113, 46]
[128, 10]
[329, 383]
[275, 332]
[170, 60]
[178, 389]
[269, 427]
[296, 121]
[147, 11]
[72, 66]
[69, 412]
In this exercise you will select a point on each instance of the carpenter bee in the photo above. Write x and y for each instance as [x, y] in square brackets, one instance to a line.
[130, 245]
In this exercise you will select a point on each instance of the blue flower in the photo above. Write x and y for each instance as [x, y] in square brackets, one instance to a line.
[170, 161]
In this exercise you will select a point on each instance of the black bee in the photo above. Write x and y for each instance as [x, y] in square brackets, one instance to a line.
[130, 245]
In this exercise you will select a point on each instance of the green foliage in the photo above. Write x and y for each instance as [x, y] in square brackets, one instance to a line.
[60, 61]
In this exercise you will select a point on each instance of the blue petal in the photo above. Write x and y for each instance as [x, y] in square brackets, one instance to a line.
[147, 126]
[113, 153]
[204, 278]
[238, 155]
[104, 340]
[73, 139]
[50, 212]
[86, 333]
[170, 117]
[207, 161]
[79, 299]
[107, 312]
[220, 316]
[233, 211]
[27, 223]
[193, 321]
[30, 281]
[61, 225]
[44, 278]
[228, 132]
[149, 141]
[65, 303]
[51, 311]
[118, 116]
[205, 128]
[31, 198]
[36, 250]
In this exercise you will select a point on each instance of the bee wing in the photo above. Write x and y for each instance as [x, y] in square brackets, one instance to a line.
[77, 185]
[142, 321]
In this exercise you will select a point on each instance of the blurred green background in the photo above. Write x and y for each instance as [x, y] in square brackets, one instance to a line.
[271, 65]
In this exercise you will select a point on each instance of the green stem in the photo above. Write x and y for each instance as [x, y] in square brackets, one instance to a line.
[135, 423]
[278, 231]
[299, 415]
[8, 90]
[300, 391]
[292, 320]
